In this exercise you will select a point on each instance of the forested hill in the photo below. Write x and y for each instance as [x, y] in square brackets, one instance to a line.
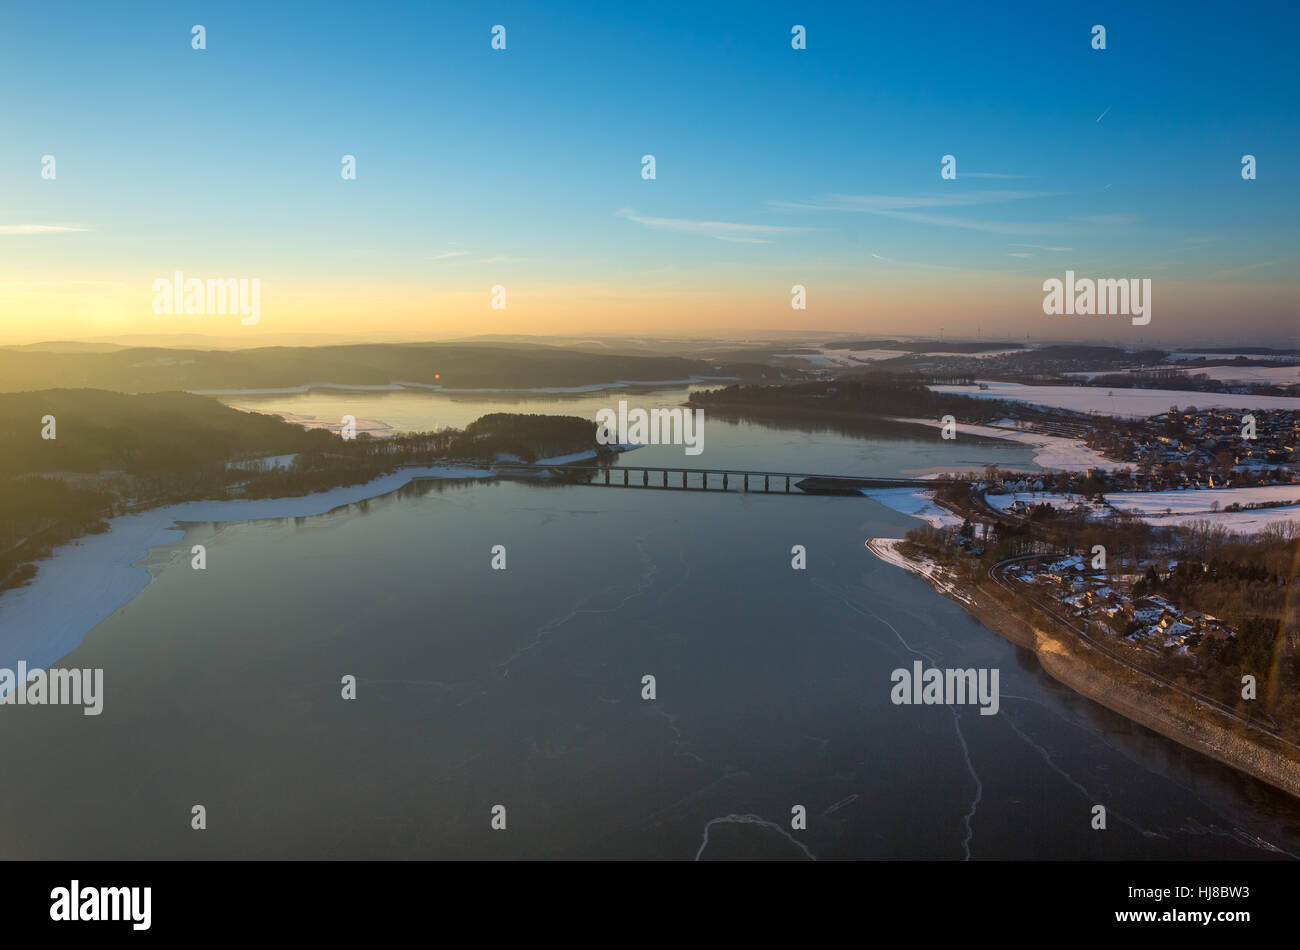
[881, 397]
[156, 432]
[452, 366]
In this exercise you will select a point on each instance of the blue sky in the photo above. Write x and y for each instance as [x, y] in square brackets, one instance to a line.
[477, 166]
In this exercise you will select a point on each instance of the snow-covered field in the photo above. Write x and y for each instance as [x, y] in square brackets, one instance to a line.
[1124, 403]
[1203, 501]
[919, 503]
[825, 357]
[1184, 507]
[1272, 375]
[1003, 502]
[941, 352]
[1237, 522]
[1050, 451]
[829, 357]
[83, 582]
[1276, 375]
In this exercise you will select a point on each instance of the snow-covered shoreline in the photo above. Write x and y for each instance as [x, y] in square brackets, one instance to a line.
[1050, 451]
[84, 582]
[918, 503]
[406, 386]
[887, 550]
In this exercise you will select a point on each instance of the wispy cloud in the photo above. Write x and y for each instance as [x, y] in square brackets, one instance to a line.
[1019, 254]
[1103, 115]
[721, 230]
[880, 204]
[1041, 247]
[1234, 271]
[970, 224]
[906, 208]
[448, 254]
[1109, 220]
[924, 266]
[24, 229]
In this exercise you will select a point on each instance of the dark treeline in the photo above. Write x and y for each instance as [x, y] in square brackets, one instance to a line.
[1249, 584]
[111, 452]
[39, 514]
[151, 433]
[981, 346]
[1174, 377]
[453, 365]
[889, 396]
[1044, 364]
[526, 436]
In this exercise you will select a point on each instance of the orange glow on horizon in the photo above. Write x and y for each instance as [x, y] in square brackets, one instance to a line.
[962, 303]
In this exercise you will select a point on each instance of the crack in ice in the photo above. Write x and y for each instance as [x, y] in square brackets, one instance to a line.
[751, 820]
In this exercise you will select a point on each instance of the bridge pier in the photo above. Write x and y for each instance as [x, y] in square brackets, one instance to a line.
[816, 484]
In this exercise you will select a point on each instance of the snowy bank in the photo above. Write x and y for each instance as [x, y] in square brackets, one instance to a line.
[1050, 451]
[917, 502]
[887, 550]
[84, 582]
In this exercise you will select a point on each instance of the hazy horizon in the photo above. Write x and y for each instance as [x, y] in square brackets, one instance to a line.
[755, 337]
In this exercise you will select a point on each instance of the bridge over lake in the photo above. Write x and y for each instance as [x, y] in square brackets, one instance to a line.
[711, 479]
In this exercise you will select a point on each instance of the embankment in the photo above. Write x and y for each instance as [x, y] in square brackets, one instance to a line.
[1074, 662]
